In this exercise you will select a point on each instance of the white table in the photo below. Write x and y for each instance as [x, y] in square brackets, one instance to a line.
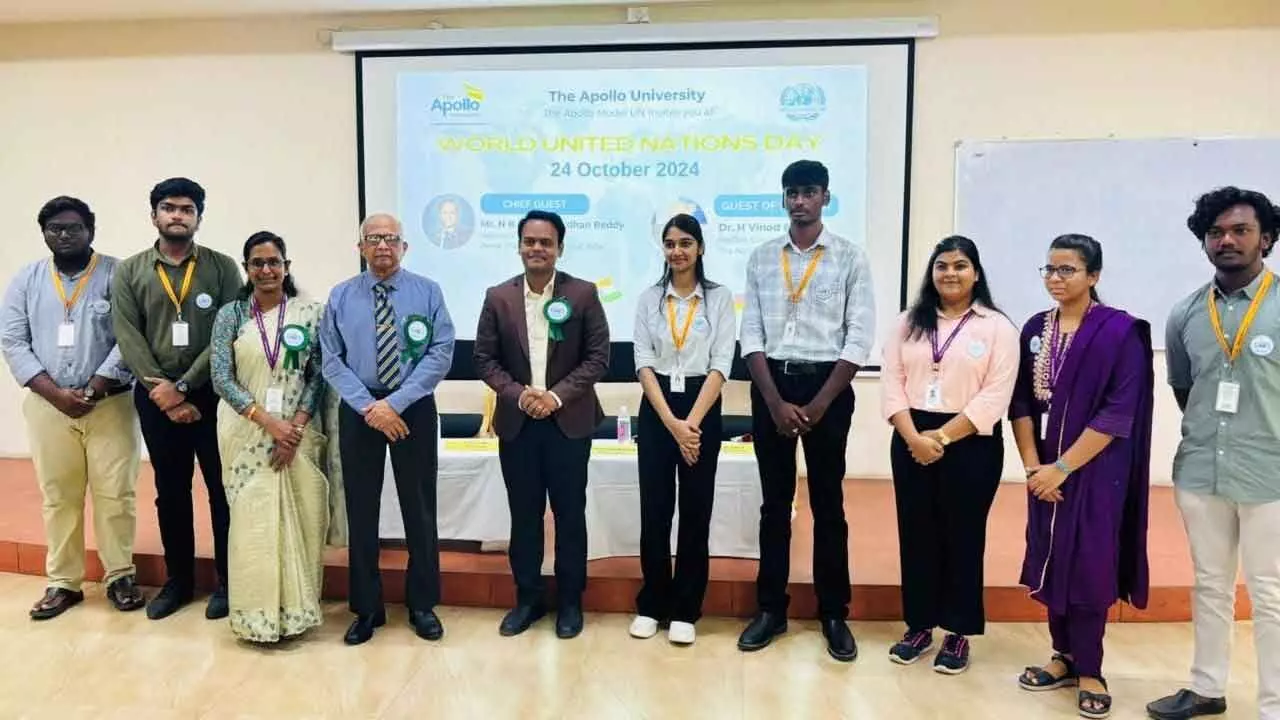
[472, 500]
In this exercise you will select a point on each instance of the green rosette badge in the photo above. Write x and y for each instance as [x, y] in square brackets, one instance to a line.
[418, 333]
[557, 313]
[296, 340]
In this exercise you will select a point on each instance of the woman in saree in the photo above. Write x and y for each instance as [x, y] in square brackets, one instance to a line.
[1081, 415]
[266, 368]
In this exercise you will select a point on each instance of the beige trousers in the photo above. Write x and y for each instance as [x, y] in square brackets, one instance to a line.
[1226, 536]
[97, 453]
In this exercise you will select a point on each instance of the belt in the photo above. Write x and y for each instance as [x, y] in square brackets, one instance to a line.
[796, 367]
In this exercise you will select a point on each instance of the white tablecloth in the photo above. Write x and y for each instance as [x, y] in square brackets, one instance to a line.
[472, 500]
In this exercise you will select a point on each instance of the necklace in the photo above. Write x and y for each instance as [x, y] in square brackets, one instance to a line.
[1052, 354]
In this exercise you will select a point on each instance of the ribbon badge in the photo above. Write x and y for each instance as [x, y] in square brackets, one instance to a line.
[418, 333]
[557, 313]
[296, 340]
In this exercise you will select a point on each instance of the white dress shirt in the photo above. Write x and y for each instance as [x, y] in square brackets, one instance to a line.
[835, 318]
[712, 332]
[538, 331]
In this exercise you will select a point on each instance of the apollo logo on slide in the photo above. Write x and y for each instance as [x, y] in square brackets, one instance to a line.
[459, 107]
[803, 102]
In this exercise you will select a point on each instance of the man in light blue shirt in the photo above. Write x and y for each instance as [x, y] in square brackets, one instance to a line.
[58, 341]
[387, 342]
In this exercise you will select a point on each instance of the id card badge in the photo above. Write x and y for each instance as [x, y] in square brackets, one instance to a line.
[181, 334]
[677, 380]
[1044, 425]
[67, 335]
[275, 400]
[933, 395]
[1228, 397]
[789, 332]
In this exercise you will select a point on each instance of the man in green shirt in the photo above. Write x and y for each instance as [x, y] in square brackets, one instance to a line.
[1224, 368]
[165, 301]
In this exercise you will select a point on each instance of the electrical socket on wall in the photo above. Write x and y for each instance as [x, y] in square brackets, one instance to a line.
[638, 14]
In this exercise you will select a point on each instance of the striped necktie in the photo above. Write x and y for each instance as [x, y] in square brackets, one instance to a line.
[388, 346]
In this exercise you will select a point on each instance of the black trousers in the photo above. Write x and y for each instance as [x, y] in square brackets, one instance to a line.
[662, 596]
[824, 447]
[942, 527]
[413, 461]
[540, 462]
[174, 448]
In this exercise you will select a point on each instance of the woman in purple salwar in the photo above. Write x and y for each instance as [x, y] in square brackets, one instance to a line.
[1081, 415]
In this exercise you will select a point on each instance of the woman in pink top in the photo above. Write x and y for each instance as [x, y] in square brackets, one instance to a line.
[950, 365]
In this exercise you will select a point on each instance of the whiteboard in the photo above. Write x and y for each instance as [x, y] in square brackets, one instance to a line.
[1133, 196]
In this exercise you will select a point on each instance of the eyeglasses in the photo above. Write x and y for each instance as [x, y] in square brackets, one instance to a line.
[274, 263]
[72, 229]
[372, 241]
[1066, 272]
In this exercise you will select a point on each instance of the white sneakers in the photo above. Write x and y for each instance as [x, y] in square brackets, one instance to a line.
[679, 633]
[644, 627]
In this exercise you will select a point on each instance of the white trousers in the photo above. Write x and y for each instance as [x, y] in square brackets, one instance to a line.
[1222, 534]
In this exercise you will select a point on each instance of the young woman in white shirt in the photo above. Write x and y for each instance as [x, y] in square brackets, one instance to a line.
[684, 337]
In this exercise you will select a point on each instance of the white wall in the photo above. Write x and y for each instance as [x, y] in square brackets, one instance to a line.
[262, 115]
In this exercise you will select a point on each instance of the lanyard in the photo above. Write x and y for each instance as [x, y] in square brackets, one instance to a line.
[273, 354]
[186, 285]
[80, 285]
[679, 340]
[1233, 350]
[933, 340]
[795, 294]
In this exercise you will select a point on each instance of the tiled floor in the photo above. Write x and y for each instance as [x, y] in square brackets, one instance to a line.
[472, 578]
[96, 662]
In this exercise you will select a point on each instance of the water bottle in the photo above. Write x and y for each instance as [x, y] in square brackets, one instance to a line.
[624, 426]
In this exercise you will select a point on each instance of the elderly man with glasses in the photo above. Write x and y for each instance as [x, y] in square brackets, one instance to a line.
[387, 341]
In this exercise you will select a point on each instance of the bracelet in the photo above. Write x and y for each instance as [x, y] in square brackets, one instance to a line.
[252, 409]
[942, 436]
[1062, 466]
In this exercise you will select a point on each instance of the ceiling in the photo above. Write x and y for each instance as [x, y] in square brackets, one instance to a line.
[25, 11]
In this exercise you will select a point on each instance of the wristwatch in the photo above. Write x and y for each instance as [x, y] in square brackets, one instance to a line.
[89, 393]
[182, 387]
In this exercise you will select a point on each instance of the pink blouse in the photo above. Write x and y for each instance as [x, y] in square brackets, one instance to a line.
[976, 374]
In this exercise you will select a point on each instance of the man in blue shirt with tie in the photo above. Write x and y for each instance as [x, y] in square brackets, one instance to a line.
[388, 342]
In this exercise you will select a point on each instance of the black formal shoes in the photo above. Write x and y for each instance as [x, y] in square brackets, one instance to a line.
[426, 624]
[362, 629]
[762, 630]
[171, 598]
[521, 618]
[218, 606]
[1186, 704]
[569, 622]
[840, 644]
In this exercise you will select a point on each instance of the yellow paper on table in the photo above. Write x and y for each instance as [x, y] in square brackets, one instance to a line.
[471, 444]
[611, 450]
[736, 448]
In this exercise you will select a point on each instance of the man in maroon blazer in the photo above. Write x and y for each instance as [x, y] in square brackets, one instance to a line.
[542, 344]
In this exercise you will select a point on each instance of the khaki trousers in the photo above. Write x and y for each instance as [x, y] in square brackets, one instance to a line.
[97, 453]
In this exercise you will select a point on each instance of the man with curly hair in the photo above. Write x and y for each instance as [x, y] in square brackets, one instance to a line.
[1224, 369]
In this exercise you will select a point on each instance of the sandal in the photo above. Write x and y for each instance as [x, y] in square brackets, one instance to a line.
[125, 595]
[1086, 700]
[56, 601]
[1037, 679]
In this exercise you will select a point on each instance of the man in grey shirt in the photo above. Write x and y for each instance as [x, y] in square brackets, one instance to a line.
[57, 338]
[1224, 369]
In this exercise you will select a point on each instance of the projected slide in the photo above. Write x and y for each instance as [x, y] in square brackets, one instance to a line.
[616, 153]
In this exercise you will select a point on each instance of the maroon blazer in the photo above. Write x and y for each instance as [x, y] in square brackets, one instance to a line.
[574, 365]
